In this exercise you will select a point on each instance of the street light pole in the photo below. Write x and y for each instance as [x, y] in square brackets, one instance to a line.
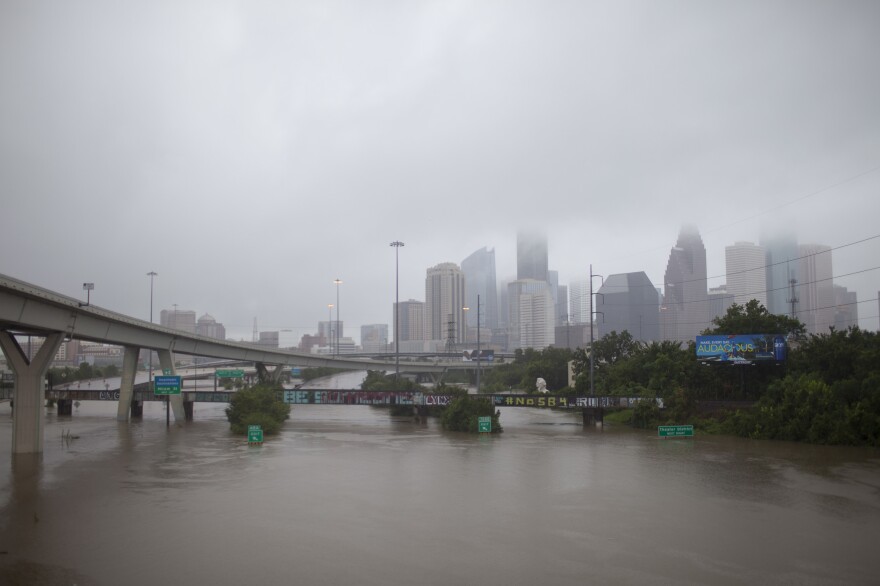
[478, 344]
[151, 274]
[338, 283]
[397, 244]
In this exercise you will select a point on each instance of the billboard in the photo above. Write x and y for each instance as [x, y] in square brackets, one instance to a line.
[741, 348]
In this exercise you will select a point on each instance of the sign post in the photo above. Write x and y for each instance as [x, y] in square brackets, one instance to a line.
[485, 424]
[166, 385]
[255, 434]
[665, 431]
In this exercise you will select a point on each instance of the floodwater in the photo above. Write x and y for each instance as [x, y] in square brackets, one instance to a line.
[352, 495]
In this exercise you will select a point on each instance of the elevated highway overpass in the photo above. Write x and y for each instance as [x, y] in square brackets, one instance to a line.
[29, 309]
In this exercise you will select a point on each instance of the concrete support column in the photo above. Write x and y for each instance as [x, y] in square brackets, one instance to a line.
[27, 411]
[126, 385]
[166, 363]
[264, 375]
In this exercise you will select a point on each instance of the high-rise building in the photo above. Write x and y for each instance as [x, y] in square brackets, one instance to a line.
[628, 302]
[209, 327]
[444, 303]
[815, 290]
[268, 339]
[579, 302]
[719, 301]
[685, 309]
[781, 262]
[412, 321]
[178, 319]
[746, 272]
[516, 296]
[479, 276]
[561, 305]
[536, 319]
[531, 255]
[846, 308]
[374, 337]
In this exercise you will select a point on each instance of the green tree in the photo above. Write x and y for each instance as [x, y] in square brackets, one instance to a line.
[753, 318]
[257, 405]
[464, 413]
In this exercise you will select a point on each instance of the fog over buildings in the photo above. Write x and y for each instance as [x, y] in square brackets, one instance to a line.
[251, 154]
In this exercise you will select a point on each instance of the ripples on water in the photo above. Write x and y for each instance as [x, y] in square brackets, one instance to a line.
[351, 495]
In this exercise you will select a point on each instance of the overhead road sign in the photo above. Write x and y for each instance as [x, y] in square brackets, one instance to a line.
[229, 373]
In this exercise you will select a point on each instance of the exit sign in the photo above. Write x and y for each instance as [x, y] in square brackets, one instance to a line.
[255, 434]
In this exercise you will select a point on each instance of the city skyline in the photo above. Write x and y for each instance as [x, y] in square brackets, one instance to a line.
[814, 290]
[249, 176]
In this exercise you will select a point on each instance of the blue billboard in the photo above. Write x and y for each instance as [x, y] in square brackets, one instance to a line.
[741, 348]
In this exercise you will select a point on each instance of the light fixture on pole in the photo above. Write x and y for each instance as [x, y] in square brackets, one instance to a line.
[397, 244]
[87, 287]
[338, 327]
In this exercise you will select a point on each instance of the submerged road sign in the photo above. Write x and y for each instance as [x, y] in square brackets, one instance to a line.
[675, 431]
[255, 434]
[485, 424]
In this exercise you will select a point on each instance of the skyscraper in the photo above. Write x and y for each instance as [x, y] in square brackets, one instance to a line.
[579, 302]
[746, 272]
[531, 255]
[479, 276]
[529, 299]
[846, 310]
[815, 290]
[412, 321]
[781, 262]
[685, 310]
[629, 302]
[444, 303]
[178, 319]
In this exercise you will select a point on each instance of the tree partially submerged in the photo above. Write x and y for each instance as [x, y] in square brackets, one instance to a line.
[464, 413]
[257, 405]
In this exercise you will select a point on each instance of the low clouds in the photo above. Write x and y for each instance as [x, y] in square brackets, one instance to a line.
[250, 153]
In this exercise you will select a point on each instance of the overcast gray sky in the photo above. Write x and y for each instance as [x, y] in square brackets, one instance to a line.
[252, 152]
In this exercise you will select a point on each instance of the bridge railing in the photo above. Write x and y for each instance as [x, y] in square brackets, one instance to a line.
[356, 397]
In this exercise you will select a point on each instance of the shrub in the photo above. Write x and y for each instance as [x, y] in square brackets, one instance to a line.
[258, 405]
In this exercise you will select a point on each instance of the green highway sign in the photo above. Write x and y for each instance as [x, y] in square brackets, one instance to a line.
[485, 424]
[255, 434]
[166, 385]
[675, 431]
[166, 371]
[225, 373]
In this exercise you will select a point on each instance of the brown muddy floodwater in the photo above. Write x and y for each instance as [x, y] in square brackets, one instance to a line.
[351, 495]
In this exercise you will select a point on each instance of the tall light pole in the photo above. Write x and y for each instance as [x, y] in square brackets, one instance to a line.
[338, 283]
[151, 274]
[397, 244]
[478, 344]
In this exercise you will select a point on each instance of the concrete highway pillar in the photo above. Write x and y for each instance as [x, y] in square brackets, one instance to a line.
[166, 363]
[126, 385]
[27, 411]
[267, 376]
